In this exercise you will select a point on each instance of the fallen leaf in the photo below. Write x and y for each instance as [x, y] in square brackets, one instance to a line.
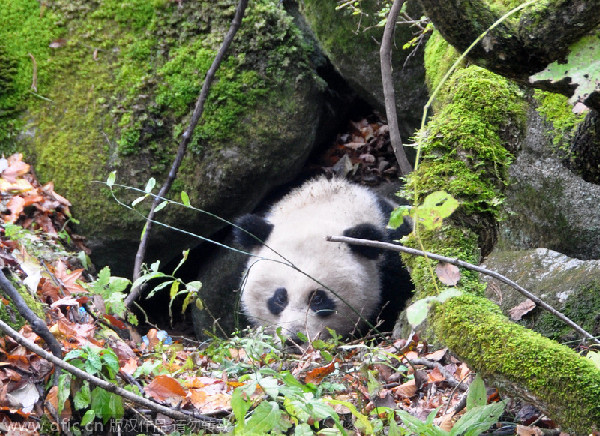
[517, 312]
[406, 390]
[166, 388]
[435, 376]
[437, 355]
[318, 374]
[447, 273]
[528, 431]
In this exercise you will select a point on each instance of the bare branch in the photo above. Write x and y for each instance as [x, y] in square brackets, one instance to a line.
[463, 264]
[37, 325]
[385, 55]
[185, 140]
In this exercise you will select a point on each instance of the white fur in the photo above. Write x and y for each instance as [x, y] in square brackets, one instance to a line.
[301, 221]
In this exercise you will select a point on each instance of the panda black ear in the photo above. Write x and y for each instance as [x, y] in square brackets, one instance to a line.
[365, 231]
[249, 225]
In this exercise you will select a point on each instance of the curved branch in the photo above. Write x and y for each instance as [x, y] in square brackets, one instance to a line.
[463, 264]
[385, 55]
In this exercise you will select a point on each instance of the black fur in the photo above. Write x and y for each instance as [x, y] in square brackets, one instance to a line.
[255, 231]
[365, 231]
[278, 301]
[320, 303]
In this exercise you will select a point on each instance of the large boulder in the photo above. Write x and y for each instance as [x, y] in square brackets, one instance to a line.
[569, 285]
[117, 87]
[547, 204]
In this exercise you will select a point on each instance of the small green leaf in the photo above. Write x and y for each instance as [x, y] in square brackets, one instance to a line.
[110, 181]
[88, 417]
[265, 418]
[239, 406]
[417, 312]
[64, 389]
[594, 356]
[83, 396]
[138, 200]
[185, 199]
[161, 205]
[448, 293]
[477, 394]
[150, 185]
[397, 216]
[174, 288]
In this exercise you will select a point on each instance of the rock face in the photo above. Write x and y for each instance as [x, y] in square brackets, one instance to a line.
[118, 92]
[548, 205]
[352, 41]
[569, 285]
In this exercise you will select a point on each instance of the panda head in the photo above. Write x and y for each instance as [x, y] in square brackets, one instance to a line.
[302, 283]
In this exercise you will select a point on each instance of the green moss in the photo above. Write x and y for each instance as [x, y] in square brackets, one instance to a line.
[464, 146]
[450, 242]
[439, 57]
[120, 94]
[533, 362]
[24, 30]
[557, 111]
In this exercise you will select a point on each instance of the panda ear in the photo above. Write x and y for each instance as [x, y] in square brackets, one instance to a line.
[251, 231]
[365, 231]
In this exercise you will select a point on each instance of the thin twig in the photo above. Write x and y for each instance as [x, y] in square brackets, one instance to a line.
[385, 55]
[463, 264]
[207, 421]
[185, 140]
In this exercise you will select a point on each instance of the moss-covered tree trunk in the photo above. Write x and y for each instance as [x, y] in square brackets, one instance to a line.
[467, 149]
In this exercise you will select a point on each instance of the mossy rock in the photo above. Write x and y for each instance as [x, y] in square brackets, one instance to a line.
[352, 41]
[569, 285]
[116, 83]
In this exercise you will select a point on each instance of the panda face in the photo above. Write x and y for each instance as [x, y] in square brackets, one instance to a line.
[310, 300]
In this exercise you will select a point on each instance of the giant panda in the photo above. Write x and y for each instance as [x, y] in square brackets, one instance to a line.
[331, 285]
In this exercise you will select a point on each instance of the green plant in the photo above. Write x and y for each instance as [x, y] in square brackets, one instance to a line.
[479, 417]
[177, 286]
[111, 289]
[103, 363]
[288, 402]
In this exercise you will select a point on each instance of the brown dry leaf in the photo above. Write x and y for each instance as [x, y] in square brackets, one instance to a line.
[318, 374]
[523, 430]
[52, 399]
[517, 312]
[447, 273]
[16, 168]
[446, 422]
[437, 355]
[435, 376]
[68, 279]
[130, 366]
[406, 390]
[15, 205]
[166, 388]
[210, 402]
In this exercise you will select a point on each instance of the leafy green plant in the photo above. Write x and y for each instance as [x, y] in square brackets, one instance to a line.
[436, 206]
[103, 363]
[479, 417]
[177, 286]
[288, 402]
[111, 289]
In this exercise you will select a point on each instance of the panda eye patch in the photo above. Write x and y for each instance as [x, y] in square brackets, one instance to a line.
[320, 303]
[278, 301]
